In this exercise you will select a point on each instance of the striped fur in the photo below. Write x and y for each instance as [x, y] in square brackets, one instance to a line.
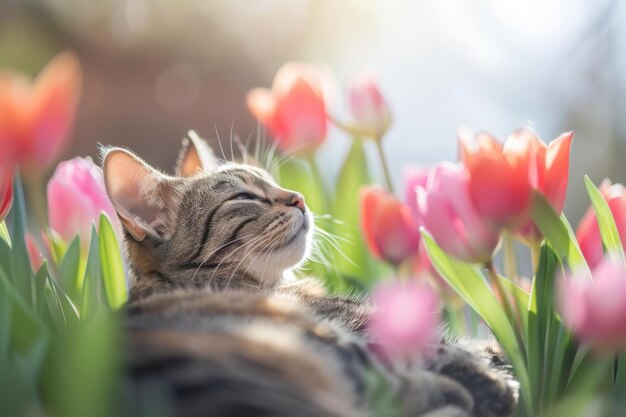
[215, 327]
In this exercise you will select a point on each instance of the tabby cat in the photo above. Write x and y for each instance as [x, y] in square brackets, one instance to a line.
[216, 325]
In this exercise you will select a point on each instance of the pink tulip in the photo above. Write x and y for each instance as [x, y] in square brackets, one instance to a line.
[595, 309]
[6, 192]
[449, 214]
[548, 174]
[588, 233]
[36, 117]
[370, 113]
[293, 110]
[499, 186]
[414, 177]
[389, 228]
[76, 197]
[407, 317]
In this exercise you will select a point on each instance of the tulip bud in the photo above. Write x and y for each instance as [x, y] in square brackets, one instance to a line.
[595, 309]
[389, 228]
[76, 197]
[450, 216]
[498, 178]
[293, 110]
[368, 108]
[406, 319]
[36, 117]
[588, 232]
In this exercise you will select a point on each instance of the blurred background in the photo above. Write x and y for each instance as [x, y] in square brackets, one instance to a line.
[155, 68]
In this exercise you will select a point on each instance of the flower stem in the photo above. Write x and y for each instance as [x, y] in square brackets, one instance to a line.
[510, 260]
[509, 310]
[535, 255]
[37, 200]
[383, 161]
[318, 179]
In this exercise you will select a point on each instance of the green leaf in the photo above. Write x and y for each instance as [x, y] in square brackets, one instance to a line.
[557, 231]
[25, 327]
[112, 264]
[69, 270]
[86, 383]
[59, 246]
[606, 222]
[4, 233]
[62, 309]
[93, 297]
[470, 285]
[21, 273]
[41, 278]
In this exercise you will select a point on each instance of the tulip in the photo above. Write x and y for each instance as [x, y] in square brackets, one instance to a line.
[6, 192]
[446, 208]
[368, 108]
[588, 232]
[389, 228]
[406, 320]
[34, 254]
[595, 309]
[36, 117]
[76, 197]
[293, 110]
[498, 177]
[548, 174]
[413, 178]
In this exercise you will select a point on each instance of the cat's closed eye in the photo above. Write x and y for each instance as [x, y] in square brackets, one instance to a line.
[245, 196]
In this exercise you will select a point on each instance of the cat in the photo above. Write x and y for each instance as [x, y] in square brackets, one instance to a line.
[216, 326]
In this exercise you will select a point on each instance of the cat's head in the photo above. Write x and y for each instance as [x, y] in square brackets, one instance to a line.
[210, 224]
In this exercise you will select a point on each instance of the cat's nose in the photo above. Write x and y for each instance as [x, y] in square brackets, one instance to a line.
[296, 200]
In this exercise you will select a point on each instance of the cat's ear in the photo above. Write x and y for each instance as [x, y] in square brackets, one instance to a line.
[145, 199]
[195, 156]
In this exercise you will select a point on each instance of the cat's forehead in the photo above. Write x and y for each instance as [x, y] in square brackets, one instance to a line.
[246, 174]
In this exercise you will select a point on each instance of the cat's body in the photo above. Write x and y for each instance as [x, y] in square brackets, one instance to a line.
[216, 329]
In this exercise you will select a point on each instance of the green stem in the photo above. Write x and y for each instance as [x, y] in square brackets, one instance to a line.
[510, 260]
[318, 178]
[535, 255]
[37, 200]
[383, 161]
[509, 310]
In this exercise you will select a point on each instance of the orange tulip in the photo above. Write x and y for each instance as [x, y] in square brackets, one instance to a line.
[388, 225]
[502, 177]
[6, 192]
[36, 117]
[293, 110]
[549, 174]
[498, 177]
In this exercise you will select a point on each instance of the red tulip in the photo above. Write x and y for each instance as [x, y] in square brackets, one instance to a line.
[498, 177]
[389, 228]
[370, 113]
[293, 110]
[6, 192]
[594, 308]
[36, 117]
[450, 216]
[588, 233]
[548, 174]
[406, 320]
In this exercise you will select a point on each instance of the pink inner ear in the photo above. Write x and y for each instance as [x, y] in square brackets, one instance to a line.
[191, 163]
[134, 190]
